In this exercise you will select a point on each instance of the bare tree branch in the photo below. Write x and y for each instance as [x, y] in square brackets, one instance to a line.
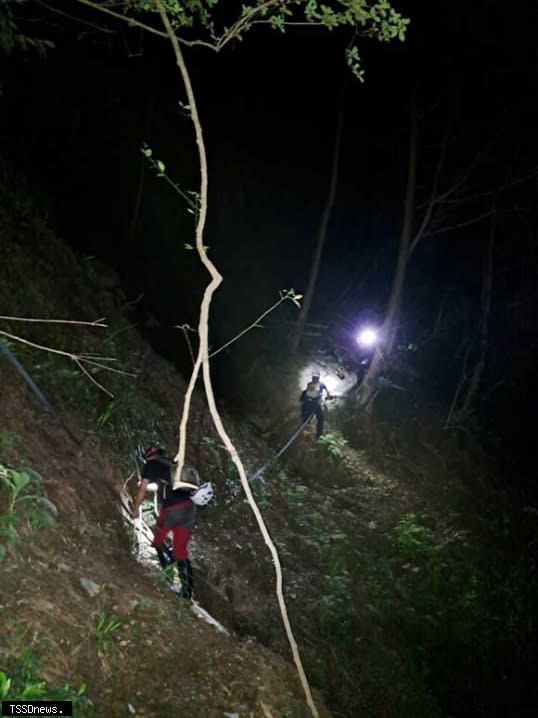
[433, 196]
[496, 191]
[125, 18]
[460, 409]
[91, 378]
[203, 358]
[95, 323]
[437, 199]
[78, 359]
[254, 324]
[468, 222]
[185, 328]
[72, 17]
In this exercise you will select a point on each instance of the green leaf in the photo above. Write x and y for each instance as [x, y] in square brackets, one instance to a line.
[20, 481]
[34, 690]
[5, 681]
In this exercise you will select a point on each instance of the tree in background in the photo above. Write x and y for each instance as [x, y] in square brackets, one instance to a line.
[322, 236]
[454, 200]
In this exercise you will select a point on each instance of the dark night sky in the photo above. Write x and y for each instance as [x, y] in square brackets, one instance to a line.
[74, 123]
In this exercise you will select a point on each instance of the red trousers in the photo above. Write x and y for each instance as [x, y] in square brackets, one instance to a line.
[180, 534]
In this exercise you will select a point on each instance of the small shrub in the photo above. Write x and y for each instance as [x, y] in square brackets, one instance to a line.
[105, 630]
[333, 444]
[413, 539]
[27, 509]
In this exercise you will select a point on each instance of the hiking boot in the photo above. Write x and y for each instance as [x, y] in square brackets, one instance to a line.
[185, 574]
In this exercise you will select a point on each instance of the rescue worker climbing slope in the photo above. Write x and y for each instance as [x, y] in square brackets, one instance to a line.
[177, 512]
[311, 401]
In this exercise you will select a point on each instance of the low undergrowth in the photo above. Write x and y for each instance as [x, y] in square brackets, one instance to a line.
[21, 681]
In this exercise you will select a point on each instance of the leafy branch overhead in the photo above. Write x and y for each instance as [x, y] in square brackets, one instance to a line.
[195, 21]
[12, 38]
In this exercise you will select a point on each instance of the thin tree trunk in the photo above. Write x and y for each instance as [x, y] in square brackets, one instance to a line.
[388, 330]
[484, 324]
[452, 412]
[322, 236]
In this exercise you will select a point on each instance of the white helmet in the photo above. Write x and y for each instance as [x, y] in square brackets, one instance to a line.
[203, 495]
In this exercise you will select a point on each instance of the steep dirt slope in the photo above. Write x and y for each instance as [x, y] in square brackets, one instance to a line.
[73, 600]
